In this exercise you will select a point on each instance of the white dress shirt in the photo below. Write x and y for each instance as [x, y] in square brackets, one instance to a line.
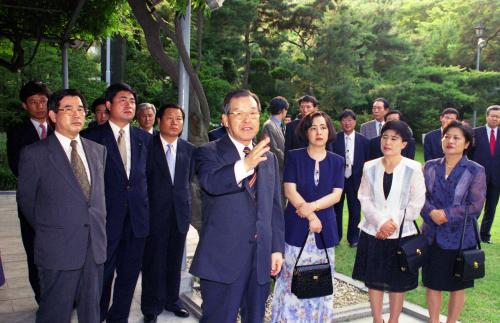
[239, 167]
[37, 124]
[116, 133]
[66, 145]
[173, 150]
[488, 132]
[349, 141]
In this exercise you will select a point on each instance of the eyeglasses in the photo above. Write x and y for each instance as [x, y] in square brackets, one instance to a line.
[239, 115]
[70, 111]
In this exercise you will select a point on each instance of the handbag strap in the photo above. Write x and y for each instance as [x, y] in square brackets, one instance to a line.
[401, 227]
[303, 245]
[474, 224]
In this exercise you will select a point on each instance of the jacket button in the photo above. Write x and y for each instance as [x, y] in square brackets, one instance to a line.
[128, 187]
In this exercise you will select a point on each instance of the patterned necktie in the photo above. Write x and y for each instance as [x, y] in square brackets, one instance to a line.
[348, 162]
[492, 142]
[253, 179]
[122, 148]
[379, 129]
[171, 162]
[79, 170]
[43, 134]
[283, 128]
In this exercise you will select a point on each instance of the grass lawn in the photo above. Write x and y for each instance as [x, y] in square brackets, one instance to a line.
[482, 303]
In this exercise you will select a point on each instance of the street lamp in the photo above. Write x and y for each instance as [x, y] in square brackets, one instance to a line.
[479, 29]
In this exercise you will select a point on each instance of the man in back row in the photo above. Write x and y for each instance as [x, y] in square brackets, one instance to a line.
[432, 140]
[371, 129]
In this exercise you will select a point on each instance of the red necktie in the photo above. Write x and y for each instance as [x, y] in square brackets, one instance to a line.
[253, 178]
[43, 135]
[492, 142]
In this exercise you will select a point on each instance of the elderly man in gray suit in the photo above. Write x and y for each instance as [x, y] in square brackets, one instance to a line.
[274, 128]
[61, 193]
[371, 129]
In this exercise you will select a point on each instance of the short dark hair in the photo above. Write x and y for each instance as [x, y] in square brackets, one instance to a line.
[492, 108]
[32, 88]
[56, 98]
[384, 101]
[394, 112]
[278, 104]
[308, 98]
[166, 106]
[114, 88]
[398, 126]
[238, 94]
[347, 113]
[307, 122]
[466, 131]
[450, 111]
[97, 102]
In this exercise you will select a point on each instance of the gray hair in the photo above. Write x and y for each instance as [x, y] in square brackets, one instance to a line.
[145, 106]
[492, 108]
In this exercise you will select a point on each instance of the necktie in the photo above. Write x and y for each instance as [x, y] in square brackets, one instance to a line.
[171, 162]
[43, 134]
[122, 148]
[79, 170]
[492, 142]
[253, 179]
[348, 162]
[379, 129]
[283, 128]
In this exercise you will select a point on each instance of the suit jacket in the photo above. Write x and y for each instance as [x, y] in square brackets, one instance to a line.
[217, 133]
[480, 153]
[124, 196]
[53, 202]
[17, 138]
[234, 222]
[361, 153]
[376, 152]
[369, 129]
[277, 143]
[432, 145]
[164, 195]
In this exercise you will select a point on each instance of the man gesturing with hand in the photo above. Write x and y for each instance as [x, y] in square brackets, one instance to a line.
[242, 236]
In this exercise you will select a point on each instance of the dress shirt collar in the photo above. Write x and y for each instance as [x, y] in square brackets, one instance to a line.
[350, 136]
[164, 144]
[239, 146]
[116, 129]
[276, 121]
[66, 142]
[488, 131]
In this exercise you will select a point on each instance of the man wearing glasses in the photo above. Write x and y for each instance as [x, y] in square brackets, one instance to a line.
[61, 193]
[242, 237]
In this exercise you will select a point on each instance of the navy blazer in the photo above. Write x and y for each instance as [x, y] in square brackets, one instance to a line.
[164, 195]
[124, 195]
[234, 222]
[376, 151]
[480, 153]
[18, 137]
[432, 145]
[217, 133]
[361, 153]
[54, 204]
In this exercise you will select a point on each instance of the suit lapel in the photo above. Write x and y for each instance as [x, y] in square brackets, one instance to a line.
[230, 155]
[181, 164]
[136, 149]
[91, 157]
[277, 130]
[161, 159]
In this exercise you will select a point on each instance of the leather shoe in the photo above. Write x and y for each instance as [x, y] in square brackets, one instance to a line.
[487, 241]
[149, 318]
[353, 245]
[177, 310]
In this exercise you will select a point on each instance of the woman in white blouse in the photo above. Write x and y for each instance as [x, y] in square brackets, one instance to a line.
[391, 187]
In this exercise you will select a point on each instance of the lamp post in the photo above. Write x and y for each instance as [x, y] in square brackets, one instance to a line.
[479, 29]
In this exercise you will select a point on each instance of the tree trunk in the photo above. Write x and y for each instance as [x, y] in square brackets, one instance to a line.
[199, 38]
[248, 57]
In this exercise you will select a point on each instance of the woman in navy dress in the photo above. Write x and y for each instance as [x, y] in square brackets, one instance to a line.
[454, 184]
[313, 182]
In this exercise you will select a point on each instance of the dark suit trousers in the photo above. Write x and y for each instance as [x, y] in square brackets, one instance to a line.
[62, 289]
[125, 256]
[350, 193]
[490, 206]
[28, 237]
[161, 268]
[221, 302]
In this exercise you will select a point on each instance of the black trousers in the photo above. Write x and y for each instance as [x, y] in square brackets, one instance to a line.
[28, 237]
[161, 268]
[124, 257]
[490, 206]
[350, 193]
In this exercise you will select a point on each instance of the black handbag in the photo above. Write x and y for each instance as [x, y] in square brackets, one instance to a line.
[412, 253]
[469, 264]
[309, 281]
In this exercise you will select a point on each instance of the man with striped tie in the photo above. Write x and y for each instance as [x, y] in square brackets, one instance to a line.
[242, 236]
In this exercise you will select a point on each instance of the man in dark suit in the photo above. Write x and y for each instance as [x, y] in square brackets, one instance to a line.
[101, 114]
[353, 146]
[146, 114]
[34, 96]
[242, 237]
[371, 129]
[217, 133]
[169, 170]
[432, 140]
[127, 224]
[486, 152]
[61, 193]
[376, 151]
[274, 129]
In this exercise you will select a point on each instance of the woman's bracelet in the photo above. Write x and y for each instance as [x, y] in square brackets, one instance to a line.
[316, 206]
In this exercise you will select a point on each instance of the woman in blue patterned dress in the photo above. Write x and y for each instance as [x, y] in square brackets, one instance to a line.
[454, 184]
[313, 182]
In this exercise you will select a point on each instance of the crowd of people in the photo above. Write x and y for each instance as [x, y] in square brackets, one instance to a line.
[98, 206]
